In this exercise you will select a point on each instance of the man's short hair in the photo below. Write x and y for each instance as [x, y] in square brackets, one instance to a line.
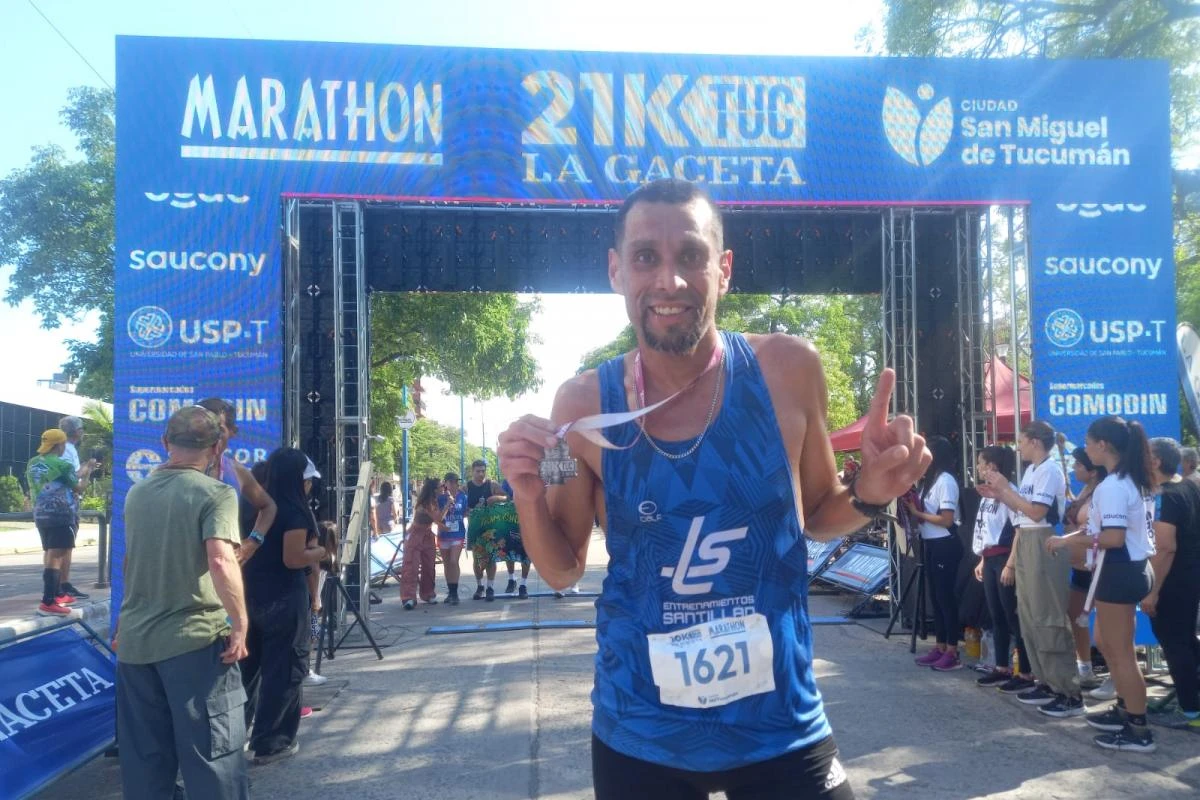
[193, 428]
[222, 408]
[479, 462]
[671, 191]
[1189, 455]
[71, 426]
[1167, 452]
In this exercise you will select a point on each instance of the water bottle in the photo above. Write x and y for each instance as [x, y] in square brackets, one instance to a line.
[971, 643]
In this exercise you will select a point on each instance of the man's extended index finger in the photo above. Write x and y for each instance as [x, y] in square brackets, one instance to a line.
[877, 414]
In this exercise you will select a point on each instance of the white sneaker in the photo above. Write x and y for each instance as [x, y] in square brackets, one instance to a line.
[573, 590]
[313, 679]
[1105, 691]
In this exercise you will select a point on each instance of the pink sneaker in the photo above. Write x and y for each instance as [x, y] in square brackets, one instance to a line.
[948, 662]
[305, 712]
[930, 658]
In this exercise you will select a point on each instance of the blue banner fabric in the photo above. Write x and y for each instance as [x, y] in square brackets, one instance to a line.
[213, 135]
[58, 709]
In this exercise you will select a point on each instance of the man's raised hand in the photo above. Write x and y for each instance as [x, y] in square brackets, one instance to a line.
[894, 456]
[520, 450]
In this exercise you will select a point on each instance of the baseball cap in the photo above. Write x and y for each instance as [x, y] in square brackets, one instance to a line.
[310, 469]
[193, 427]
[51, 439]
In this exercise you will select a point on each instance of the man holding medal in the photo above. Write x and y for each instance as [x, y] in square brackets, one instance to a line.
[704, 678]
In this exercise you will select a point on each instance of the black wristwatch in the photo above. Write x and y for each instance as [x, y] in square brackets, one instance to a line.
[868, 510]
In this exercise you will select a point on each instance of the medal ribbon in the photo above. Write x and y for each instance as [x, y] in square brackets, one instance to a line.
[589, 427]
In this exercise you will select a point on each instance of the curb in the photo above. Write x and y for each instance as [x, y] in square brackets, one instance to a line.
[95, 614]
[23, 550]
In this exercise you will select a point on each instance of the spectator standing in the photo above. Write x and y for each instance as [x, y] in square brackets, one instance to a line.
[452, 533]
[1042, 578]
[1189, 459]
[1075, 519]
[1120, 522]
[183, 625]
[72, 427]
[418, 570]
[230, 471]
[385, 510]
[1174, 601]
[53, 486]
[278, 604]
[992, 542]
[943, 552]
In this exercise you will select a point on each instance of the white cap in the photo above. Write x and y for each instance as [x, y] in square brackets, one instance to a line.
[310, 469]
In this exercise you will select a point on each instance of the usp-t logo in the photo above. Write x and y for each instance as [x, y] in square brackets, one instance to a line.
[150, 327]
[918, 139]
[1064, 327]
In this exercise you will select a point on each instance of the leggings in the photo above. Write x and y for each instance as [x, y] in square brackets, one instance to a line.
[1002, 606]
[942, 557]
[1174, 626]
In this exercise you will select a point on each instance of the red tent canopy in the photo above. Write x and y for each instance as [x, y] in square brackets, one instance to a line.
[849, 438]
[1004, 399]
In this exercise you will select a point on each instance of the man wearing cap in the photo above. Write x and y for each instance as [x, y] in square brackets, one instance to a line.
[73, 428]
[183, 623]
[53, 483]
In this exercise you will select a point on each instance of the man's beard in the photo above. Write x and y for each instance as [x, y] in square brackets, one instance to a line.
[681, 339]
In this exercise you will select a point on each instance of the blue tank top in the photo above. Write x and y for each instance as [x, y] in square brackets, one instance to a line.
[229, 474]
[705, 648]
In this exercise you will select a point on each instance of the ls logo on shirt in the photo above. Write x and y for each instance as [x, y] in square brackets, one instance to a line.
[713, 557]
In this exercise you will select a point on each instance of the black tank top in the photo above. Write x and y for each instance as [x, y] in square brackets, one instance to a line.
[477, 494]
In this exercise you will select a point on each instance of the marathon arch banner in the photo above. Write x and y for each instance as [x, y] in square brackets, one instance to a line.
[212, 134]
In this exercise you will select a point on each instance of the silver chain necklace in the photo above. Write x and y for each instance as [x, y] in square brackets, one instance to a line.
[712, 407]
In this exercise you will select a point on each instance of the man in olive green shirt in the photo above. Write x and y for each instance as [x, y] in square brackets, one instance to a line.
[182, 627]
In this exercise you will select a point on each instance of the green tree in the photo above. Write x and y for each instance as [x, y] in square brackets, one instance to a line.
[57, 233]
[478, 343]
[845, 329]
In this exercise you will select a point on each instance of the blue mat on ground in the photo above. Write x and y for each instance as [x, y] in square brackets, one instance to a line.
[830, 621]
[513, 625]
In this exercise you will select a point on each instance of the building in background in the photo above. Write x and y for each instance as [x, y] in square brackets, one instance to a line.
[26, 411]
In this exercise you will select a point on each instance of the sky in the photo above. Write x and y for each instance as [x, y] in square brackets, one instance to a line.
[38, 67]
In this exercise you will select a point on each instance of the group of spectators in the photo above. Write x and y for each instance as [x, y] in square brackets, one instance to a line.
[446, 520]
[1130, 537]
[222, 576]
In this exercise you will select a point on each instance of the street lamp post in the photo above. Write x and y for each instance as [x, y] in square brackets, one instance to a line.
[462, 437]
[404, 455]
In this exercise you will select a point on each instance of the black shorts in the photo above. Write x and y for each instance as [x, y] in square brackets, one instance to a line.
[1081, 579]
[810, 772]
[57, 537]
[1125, 582]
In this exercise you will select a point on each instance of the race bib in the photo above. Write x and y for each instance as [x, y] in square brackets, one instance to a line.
[452, 526]
[713, 663]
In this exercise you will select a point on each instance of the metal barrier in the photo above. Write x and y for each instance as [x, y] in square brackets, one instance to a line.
[103, 565]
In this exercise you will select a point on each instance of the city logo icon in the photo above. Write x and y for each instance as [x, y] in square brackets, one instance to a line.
[1064, 328]
[150, 327]
[919, 140]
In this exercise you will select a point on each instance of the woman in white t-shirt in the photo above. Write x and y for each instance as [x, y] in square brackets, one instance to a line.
[992, 542]
[1120, 527]
[943, 552]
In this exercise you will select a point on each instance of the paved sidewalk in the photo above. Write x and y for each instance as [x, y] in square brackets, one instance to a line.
[21, 586]
[506, 716]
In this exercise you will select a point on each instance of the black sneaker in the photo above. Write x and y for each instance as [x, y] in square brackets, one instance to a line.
[69, 588]
[1016, 685]
[512, 586]
[409, 605]
[478, 593]
[522, 593]
[490, 595]
[1128, 740]
[1112, 720]
[452, 599]
[1064, 707]
[993, 678]
[277, 755]
[1037, 696]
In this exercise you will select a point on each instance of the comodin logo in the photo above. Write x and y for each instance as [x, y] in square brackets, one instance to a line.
[918, 139]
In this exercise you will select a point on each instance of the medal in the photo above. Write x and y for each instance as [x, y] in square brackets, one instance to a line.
[557, 467]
